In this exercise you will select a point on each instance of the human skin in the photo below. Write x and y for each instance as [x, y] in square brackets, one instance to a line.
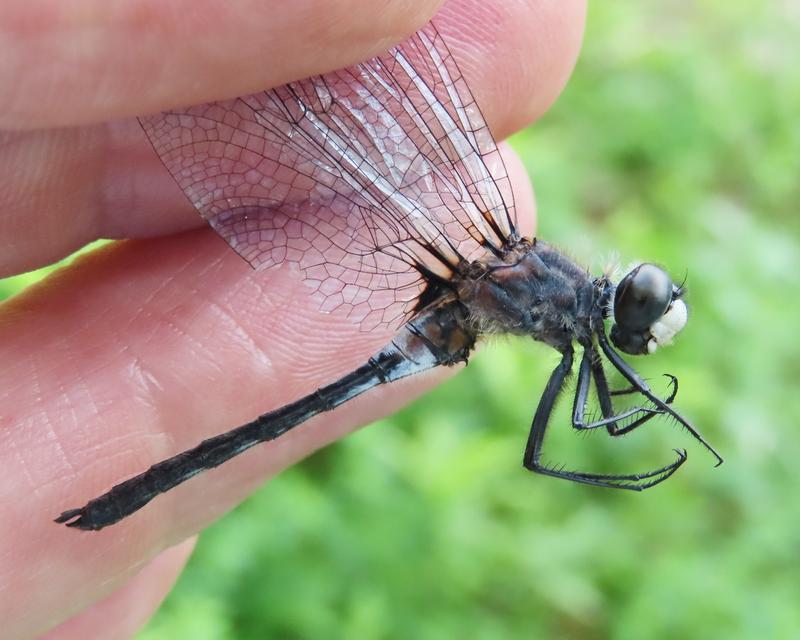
[145, 347]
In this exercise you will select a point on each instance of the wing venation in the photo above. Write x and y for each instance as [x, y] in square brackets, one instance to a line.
[365, 178]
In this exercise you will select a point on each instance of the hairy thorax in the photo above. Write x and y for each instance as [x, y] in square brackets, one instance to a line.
[532, 290]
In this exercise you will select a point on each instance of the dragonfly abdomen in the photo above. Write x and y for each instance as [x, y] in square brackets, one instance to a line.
[435, 337]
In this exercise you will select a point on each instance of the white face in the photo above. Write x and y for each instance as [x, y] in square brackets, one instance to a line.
[667, 326]
[648, 310]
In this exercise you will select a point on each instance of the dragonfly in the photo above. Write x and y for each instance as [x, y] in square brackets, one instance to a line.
[383, 187]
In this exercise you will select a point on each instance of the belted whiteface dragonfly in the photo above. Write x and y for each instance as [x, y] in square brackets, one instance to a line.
[383, 186]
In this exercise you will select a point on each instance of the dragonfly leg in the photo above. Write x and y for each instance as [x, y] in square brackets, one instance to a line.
[673, 383]
[636, 382]
[614, 429]
[591, 364]
[533, 451]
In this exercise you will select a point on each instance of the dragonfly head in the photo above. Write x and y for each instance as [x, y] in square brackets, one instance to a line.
[648, 310]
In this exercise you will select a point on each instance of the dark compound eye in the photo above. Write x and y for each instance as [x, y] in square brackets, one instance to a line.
[642, 297]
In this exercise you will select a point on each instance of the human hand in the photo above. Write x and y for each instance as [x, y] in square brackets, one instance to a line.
[146, 347]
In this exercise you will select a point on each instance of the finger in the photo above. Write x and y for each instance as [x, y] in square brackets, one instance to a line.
[516, 56]
[71, 186]
[132, 354]
[103, 60]
[126, 610]
[64, 188]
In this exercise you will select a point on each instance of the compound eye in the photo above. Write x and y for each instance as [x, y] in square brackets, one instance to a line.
[642, 297]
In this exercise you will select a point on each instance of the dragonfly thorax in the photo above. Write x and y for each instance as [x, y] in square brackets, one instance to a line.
[533, 290]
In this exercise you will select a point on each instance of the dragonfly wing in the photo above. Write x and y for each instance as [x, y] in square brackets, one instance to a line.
[371, 179]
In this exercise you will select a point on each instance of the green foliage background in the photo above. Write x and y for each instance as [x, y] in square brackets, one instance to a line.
[677, 140]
